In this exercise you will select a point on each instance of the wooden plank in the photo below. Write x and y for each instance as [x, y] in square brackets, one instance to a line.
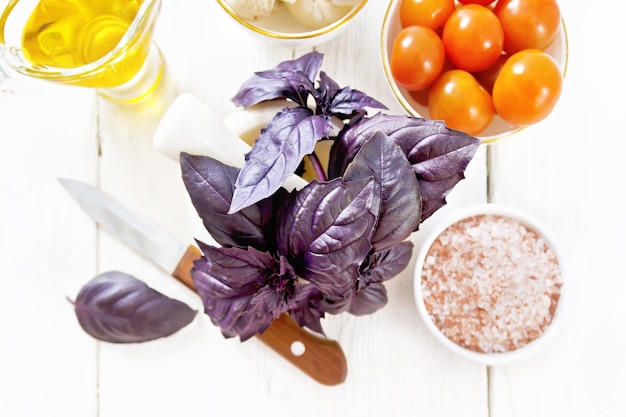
[197, 369]
[564, 171]
[567, 172]
[48, 365]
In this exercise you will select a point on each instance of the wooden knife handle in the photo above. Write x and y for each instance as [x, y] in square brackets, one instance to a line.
[320, 358]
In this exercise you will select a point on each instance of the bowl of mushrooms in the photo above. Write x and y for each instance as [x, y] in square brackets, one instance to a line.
[293, 23]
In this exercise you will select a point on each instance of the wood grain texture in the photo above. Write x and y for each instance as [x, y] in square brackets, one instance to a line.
[42, 348]
[571, 180]
[566, 171]
[182, 272]
[322, 359]
[389, 354]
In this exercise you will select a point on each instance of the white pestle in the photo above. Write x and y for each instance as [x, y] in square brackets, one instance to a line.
[191, 126]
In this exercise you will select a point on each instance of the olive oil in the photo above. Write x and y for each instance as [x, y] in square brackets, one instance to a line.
[75, 33]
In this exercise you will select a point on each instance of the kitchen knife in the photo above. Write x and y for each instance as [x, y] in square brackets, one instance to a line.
[320, 358]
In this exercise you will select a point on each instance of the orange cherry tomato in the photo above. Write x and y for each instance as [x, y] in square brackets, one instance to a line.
[528, 23]
[473, 38]
[430, 13]
[527, 87]
[420, 96]
[461, 102]
[417, 57]
[487, 77]
[481, 2]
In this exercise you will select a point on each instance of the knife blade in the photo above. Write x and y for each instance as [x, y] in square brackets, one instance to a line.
[320, 358]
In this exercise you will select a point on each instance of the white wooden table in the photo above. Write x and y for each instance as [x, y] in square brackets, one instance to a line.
[567, 171]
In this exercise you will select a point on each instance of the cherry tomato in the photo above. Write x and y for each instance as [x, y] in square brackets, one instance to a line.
[417, 57]
[481, 2]
[430, 13]
[473, 38]
[528, 23]
[461, 102]
[420, 96]
[527, 88]
[487, 77]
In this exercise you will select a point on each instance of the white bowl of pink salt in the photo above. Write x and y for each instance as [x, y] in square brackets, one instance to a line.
[490, 284]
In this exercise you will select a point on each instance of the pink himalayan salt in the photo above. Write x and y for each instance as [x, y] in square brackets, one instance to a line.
[490, 284]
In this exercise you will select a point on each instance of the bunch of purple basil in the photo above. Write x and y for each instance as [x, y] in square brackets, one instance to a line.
[329, 247]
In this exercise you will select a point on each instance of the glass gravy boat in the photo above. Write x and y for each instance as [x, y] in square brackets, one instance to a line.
[102, 44]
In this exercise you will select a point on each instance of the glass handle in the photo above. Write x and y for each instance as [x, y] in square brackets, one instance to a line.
[6, 77]
[12, 82]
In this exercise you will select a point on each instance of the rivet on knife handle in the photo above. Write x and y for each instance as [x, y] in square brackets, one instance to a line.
[322, 359]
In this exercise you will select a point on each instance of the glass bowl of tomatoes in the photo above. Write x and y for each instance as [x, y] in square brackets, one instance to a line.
[489, 68]
[293, 23]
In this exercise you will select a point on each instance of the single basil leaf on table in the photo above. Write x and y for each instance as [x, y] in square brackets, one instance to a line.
[324, 232]
[118, 308]
[394, 183]
[277, 153]
[438, 154]
[210, 185]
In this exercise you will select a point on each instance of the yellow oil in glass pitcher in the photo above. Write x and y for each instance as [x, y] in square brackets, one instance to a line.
[103, 44]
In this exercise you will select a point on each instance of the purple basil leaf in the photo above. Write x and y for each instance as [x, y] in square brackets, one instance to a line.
[387, 264]
[438, 191]
[118, 308]
[328, 87]
[342, 102]
[291, 79]
[307, 308]
[324, 232]
[276, 154]
[297, 86]
[394, 183]
[274, 84]
[243, 290]
[381, 266]
[256, 90]
[359, 302]
[309, 64]
[210, 184]
[438, 154]
[295, 78]
[348, 101]
[368, 300]
[338, 305]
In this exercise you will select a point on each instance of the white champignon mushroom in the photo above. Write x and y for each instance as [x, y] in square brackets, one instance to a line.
[318, 13]
[253, 9]
[345, 2]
